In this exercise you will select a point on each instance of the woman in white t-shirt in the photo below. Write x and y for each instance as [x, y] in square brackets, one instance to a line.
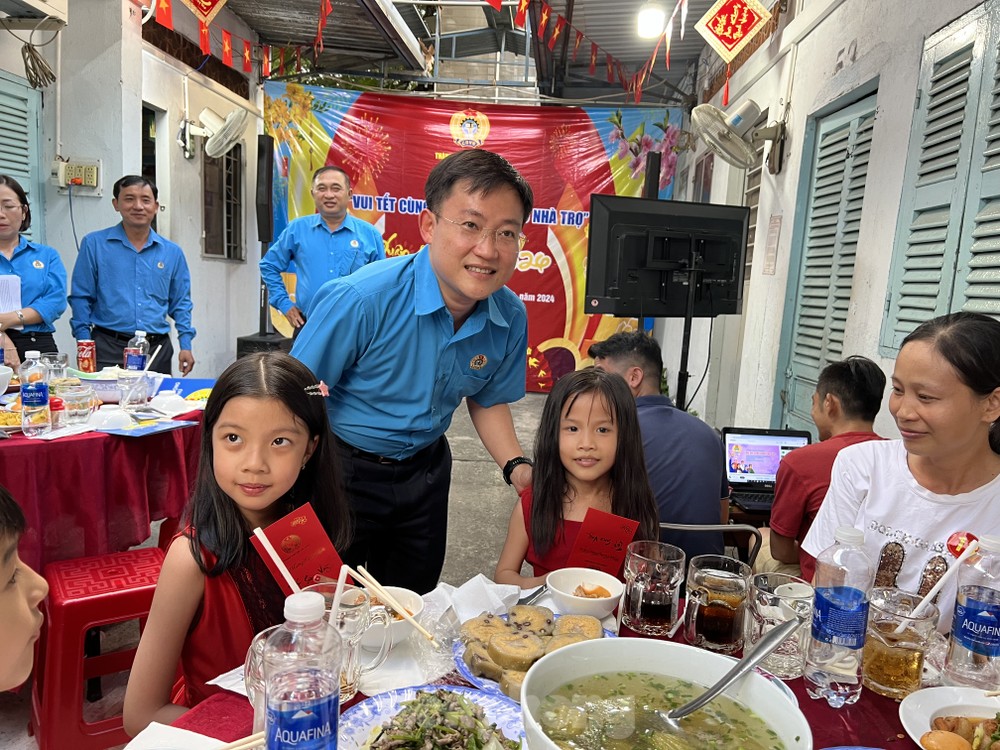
[917, 498]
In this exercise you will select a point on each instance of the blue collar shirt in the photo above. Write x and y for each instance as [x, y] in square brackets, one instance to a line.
[319, 254]
[117, 288]
[43, 281]
[386, 344]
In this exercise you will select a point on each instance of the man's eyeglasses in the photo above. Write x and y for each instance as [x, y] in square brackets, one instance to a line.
[505, 239]
[9, 208]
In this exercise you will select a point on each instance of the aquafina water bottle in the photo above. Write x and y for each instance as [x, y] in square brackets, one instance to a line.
[34, 376]
[973, 657]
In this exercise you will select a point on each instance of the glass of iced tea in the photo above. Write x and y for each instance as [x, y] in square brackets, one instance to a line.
[716, 602]
[896, 642]
[654, 572]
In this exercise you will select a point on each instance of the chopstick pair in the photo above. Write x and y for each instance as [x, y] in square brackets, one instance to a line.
[364, 577]
[246, 743]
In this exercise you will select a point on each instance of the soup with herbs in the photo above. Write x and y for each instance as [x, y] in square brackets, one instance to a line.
[615, 711]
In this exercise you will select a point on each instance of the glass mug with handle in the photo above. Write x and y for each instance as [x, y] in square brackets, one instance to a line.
[654, 572]
[716, 602]
[776, 598]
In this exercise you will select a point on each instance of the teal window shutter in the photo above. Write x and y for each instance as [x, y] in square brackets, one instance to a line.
[19, 147]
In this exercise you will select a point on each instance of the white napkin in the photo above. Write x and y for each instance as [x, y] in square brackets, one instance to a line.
[475, 596]
[232, 681]
[73, 429]
[163, 737]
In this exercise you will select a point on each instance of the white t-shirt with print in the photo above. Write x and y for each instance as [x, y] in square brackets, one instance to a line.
[906, 526]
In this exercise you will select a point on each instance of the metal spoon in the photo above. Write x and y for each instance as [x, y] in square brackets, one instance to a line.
[534, 595]
[764, 647]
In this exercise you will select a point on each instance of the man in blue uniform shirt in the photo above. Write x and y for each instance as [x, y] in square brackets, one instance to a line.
[685, 459]
[402, 342]
[325, 246]
[129, 278]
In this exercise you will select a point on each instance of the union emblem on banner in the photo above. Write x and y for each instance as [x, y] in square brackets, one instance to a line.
[205, 10]
[729, 25]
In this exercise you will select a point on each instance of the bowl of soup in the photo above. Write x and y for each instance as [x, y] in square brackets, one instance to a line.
[594, 696]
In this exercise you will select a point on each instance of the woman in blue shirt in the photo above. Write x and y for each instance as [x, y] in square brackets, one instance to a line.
[41, 271]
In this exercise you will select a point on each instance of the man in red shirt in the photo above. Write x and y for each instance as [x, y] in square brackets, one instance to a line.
[847, 399]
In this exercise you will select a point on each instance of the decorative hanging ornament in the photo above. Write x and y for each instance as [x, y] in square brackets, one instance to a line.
[205, 10]
[728, 27]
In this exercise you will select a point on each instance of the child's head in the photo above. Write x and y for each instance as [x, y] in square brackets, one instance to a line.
[266, 448]
[21, 591]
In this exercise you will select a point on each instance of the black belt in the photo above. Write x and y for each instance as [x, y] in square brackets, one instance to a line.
[124, 338]
[375, 458]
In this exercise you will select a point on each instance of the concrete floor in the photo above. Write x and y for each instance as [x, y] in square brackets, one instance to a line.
[479, 509]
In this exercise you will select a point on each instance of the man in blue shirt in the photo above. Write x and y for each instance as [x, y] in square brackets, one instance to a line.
[402, 342]
[129, 278]
[685, 459]
[325, 246]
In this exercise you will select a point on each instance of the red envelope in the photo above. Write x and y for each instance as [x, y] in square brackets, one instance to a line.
[602, 542]
[303, 545]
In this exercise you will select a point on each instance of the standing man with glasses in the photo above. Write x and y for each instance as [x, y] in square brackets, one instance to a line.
[324, 246]
[402, 342]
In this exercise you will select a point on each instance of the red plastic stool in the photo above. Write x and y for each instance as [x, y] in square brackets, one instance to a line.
[83, 594]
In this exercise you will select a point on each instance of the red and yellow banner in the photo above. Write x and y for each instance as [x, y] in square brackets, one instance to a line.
[205, 10]
[389, 143]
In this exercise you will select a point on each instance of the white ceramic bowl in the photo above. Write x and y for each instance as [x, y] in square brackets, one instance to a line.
[399, 630]
[109, 418]
[6, 374]
[661, 657]
[563, 582]
[919, 709]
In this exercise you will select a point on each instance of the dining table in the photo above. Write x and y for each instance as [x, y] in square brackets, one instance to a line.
[94, 493]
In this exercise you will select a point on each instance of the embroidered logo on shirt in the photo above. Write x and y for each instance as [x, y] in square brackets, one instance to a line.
[478, 362]
[160, 265]
[354, 243]
[37, 264]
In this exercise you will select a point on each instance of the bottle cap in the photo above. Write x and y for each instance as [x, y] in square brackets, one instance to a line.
[32, 354]
[849, 535]
[140, 333]
[990, 542]
[306, 606]
[56, 404]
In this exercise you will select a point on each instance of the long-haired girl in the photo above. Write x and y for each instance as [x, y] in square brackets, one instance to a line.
[266, 449]
[588, 454]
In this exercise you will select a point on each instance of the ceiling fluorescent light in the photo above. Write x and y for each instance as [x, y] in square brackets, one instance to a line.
[651, 21]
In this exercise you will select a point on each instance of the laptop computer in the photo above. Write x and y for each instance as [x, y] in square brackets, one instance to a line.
[752, 459]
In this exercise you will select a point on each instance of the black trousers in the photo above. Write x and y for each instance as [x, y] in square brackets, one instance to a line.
[110, 348]
[31, 341]
[400, 513]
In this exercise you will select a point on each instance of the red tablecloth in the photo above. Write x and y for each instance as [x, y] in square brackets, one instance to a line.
[95, 493]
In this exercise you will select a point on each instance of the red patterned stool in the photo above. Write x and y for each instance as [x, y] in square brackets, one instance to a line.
[83, 594]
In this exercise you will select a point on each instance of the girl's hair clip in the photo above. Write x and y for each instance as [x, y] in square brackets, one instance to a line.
[320, 389]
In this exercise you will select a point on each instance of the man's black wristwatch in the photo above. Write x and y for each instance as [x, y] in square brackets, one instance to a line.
[513, 464]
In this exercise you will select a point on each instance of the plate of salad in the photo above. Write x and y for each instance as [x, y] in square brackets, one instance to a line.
[426, 716]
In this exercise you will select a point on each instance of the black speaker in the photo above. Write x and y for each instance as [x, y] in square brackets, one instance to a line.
[651, 186]
[265, 180]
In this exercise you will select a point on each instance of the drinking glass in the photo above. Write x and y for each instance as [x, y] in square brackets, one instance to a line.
[654, 572]
[57, 364]
[893, 662]
[776, 598]
[133, 387]
[716, 602]
[79, 402]
[354, 617]
[253, 676]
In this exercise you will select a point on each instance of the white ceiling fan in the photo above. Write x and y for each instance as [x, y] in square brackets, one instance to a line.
[731, 139]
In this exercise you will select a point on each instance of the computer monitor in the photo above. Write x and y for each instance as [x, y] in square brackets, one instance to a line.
[642, 252]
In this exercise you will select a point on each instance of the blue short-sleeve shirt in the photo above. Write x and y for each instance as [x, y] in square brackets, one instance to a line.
[43, 281]
[385, 343]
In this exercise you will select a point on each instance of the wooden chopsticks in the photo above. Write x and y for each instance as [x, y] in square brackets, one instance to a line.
[246, 743]
[369, 582]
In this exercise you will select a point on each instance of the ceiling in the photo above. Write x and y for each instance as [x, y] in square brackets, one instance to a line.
[379, 36]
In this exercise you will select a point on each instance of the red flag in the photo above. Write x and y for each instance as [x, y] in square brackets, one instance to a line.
[556, 32]
[247, 59]
[593, 58]
[576, 44]
[522, 12]
[265, 61]
[325, 9]
[495, 4]
[165, 13]
[281, 61]
[204, 39]
[543, 20]
[227, 48]
[611, 77]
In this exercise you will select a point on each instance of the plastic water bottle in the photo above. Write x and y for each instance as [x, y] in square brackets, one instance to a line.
[34, 375]
[137, 352]
[843, 582]
[973, 657]
[302, 678]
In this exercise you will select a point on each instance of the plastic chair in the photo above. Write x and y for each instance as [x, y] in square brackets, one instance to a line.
[86, 593]
[725, 528]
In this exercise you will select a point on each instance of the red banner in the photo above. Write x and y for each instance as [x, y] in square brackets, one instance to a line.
[204, 39]
[522, 13]
[204, 10]
[227, 48]
[165, 13]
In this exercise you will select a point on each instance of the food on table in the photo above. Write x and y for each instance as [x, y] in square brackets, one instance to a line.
[616, 711]
[502, 650]
[199, 395]
[977, 733]
[440, 719]
[376, 602]
[56, 383]
[591, 591]
[10, 419]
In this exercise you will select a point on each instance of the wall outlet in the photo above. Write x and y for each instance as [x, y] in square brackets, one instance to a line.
[84, 174]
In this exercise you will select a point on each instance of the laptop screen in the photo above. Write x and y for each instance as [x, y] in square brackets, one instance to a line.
[753, 458]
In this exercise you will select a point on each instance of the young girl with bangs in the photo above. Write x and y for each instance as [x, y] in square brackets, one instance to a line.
[588, 454]
[266, 449]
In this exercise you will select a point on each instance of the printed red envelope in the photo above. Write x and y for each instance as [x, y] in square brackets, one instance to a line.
[303, 545]
[602, 542]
